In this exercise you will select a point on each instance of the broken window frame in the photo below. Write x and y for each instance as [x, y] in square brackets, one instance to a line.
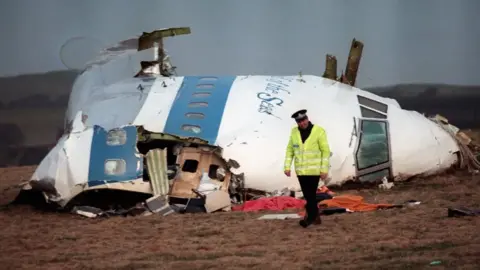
[373, 113]
[376, 108]
[212, 171]
[206, 156]
[194, 162]
[375, 168]
[373, 104]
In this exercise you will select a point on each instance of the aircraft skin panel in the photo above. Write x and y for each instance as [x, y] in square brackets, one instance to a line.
[418, 145]
[66, 166]
[257, 123]
[76, 148]
[117, 104]
[101, 152]
[198, 107]
[155, 111]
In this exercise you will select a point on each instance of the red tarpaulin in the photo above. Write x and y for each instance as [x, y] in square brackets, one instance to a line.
[271, 203]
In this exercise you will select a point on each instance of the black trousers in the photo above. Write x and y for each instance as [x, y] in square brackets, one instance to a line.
[309, 185]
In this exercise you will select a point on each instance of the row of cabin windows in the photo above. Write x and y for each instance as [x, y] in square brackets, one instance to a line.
[198, 104]
[369, 109]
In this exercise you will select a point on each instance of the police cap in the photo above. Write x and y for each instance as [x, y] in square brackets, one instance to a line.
[300, 115]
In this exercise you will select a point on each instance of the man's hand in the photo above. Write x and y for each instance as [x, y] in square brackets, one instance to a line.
[287, 173]
[323, 176]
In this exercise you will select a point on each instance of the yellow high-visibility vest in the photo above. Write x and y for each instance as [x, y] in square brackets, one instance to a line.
[311, 157]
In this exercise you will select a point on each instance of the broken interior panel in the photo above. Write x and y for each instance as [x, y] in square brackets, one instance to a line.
[201, 169]
[182, 168]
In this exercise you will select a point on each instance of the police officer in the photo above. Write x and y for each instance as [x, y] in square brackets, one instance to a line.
[308, 146]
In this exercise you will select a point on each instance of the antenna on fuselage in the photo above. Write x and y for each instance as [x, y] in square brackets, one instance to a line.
[161, 62]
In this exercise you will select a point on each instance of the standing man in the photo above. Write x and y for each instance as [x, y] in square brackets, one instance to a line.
[308, 146]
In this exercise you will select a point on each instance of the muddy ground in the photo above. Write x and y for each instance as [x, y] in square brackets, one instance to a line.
[408, 238]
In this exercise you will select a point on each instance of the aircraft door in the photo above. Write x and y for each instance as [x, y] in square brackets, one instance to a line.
[373, 152]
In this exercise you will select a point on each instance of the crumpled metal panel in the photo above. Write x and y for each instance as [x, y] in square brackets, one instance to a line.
[157, 169]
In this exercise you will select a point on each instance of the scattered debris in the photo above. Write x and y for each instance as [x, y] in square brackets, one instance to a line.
[462, 212]
[469, 151]
[385, 185]
[88, 211]
[280, 216]
[283, 192]
[217, 200]
[412, 203]
[158, 205]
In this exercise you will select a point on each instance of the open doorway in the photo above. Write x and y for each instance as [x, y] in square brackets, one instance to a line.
[372, 154]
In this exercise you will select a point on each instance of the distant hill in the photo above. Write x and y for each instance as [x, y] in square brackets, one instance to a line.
[32, 109]
[51, 88]
[404, 91]
[460, 104]
[44, 97]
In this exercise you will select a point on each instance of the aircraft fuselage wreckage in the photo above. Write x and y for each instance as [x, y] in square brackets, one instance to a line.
[205, 140]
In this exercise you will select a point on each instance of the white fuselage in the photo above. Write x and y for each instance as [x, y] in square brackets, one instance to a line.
[249, 117]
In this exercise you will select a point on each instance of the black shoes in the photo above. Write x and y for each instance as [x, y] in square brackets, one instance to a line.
[305, 222]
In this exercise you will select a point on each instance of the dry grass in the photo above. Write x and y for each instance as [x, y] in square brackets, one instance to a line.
[407, 238]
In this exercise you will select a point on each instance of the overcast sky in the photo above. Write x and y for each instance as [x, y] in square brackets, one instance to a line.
[434, 41]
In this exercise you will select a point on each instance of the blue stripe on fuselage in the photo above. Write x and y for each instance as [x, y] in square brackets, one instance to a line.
[101, 152]
[211, 107]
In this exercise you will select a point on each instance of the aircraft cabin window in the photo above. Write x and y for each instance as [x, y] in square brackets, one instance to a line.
[192, 128]
[190, 165]
[201, 94]
[373, 146]
[197, 104]
[195, 115]
[381, 107]
[116, 136]
[205, 86]
[115, 167]
[208, 79]
[368, 113]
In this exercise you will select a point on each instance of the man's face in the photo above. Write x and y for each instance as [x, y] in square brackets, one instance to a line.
[303, 124]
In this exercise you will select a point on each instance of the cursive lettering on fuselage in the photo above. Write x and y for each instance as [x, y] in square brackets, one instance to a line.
[271, 96]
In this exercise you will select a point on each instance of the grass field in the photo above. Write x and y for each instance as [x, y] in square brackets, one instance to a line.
[407, 238]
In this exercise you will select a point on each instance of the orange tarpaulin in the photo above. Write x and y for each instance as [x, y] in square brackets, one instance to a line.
[352, 202]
